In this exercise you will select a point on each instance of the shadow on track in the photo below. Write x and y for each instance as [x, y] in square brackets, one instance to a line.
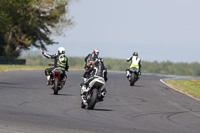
[102, 110]
[138, 86]
[63, 95]
[6, 83]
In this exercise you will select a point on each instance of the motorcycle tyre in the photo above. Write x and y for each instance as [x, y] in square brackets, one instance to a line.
[56, 86]
[93, 99]
[132, 81]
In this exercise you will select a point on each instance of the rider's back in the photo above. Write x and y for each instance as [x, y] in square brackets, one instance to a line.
[101, 70]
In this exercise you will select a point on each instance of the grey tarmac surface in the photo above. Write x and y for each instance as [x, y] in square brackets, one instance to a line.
[27, 105]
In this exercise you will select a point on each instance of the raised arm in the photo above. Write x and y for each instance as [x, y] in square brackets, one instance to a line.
[128, 59]
[48, 55]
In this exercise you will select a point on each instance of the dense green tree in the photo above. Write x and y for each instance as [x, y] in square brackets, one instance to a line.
[26, 23]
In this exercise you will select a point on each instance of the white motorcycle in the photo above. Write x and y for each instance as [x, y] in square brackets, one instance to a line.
[91, 92]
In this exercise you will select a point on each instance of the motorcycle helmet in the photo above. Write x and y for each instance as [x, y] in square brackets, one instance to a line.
[61, 50]
[135, 54]
[95, 51]
[101, 59]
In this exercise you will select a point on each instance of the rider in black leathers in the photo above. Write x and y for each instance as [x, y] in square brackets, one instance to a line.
[99, 70]
[61, 62]
[89, 65]
[102, 72]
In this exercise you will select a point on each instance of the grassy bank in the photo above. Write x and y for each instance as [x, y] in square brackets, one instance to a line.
[4, 68]
[191, 87]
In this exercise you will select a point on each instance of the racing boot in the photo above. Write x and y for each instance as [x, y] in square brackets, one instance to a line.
[84, 79]
[83, 93]
[64, 80]
[83, 89]
[48, 80]
[127, 73]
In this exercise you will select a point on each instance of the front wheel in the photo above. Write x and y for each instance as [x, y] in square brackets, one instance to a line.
[55, 86]
[93, 96]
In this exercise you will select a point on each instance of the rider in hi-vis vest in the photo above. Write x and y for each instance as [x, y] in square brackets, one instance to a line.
[135, 63]
[60, 61]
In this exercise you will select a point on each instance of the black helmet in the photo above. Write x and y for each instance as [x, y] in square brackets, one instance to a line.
[135, 54]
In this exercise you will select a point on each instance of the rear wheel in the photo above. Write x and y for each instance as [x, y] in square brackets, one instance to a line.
[132, 81]
[56, 86]
[93, 95]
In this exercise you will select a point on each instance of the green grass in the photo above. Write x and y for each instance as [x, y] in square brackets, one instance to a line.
[4, 68]
[191, 87]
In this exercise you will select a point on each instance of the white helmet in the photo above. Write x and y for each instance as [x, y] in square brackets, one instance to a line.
[95, 51]
[61, 50]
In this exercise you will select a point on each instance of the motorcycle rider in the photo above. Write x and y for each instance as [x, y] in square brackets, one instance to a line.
[89, 65]
[102, 72]
[60, 61]
[99, 70]
[136, 62]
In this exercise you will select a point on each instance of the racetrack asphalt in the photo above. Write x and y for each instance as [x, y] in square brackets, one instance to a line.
[27, 105]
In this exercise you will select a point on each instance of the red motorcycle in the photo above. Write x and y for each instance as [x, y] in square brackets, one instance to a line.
[57, 80]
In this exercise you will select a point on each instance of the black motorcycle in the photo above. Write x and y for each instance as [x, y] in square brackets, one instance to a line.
[133, 75]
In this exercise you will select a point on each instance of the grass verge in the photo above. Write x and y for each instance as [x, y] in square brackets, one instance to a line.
[4, 68]
[191, 87]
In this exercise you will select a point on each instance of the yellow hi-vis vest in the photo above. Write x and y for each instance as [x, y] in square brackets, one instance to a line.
[135, 61]
[62, 62]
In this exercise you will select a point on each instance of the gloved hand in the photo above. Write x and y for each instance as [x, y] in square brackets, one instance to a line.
[127, 59]
[42, 51]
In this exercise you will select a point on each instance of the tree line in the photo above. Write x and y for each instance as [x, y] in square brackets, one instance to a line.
[29, 23]
[165, 67]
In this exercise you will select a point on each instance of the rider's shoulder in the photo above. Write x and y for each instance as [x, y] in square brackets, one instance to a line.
[62, 55]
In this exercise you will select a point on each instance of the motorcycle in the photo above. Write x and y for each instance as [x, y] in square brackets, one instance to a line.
[133, 75]
[91, 92]
[57, 80]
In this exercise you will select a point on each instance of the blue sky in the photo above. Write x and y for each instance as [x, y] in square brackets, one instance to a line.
[157, 29]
